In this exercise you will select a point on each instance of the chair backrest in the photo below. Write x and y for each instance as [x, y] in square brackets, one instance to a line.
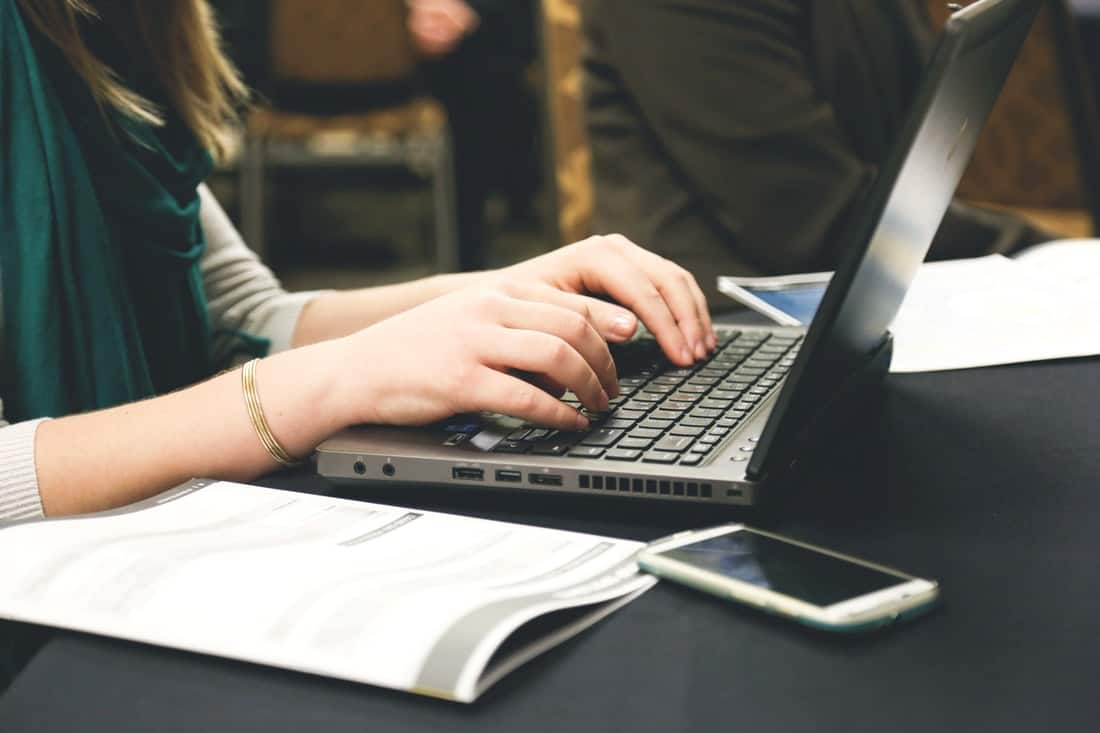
[1041, 143]
[340, 42]
[570, 157]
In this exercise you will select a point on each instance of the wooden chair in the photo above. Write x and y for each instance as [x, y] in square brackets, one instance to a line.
[343, 93]
[1039, 155]
[570, 157]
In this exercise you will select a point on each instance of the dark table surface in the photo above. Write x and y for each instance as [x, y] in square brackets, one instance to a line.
[986, 480]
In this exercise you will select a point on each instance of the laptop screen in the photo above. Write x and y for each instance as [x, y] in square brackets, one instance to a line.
[889, 239]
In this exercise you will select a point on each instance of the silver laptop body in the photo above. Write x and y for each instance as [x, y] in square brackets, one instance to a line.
[731, 437]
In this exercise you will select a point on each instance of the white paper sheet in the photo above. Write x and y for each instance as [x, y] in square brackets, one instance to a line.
[992, 310]
[388, 596]
[959, 314]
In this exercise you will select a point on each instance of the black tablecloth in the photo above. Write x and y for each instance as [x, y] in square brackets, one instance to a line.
[986, 480]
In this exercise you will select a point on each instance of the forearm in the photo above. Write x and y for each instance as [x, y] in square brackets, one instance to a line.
[113, 457]
[337, 314]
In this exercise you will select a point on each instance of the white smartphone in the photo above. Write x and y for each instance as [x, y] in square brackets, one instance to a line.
[789, 300]
[811, 585]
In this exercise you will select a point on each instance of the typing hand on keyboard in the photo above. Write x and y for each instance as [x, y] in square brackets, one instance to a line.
[670, 414]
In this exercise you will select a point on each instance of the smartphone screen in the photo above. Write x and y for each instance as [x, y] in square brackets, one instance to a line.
[812, 577]
[798, 301]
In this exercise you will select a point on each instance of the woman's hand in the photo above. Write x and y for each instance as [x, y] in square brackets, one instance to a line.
[462, 352]
[663, 294]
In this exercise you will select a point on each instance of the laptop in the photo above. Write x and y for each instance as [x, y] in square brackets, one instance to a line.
[731, 426]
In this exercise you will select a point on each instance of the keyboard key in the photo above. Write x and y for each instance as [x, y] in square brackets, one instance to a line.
[551, 448]
[686, 430]
[648, 397]
[693, 388]
[651, 423]
[511, 446]
[727, 422]
[675, 406]
[710, 439]
[725, 394]
[621, 454]
[675, 443]
[715, 405]
[634, 405]
[708, 413]
[646, 433]
[623, 414]
[664, 415]
[656, 456]
[617, 424]
[518, 434]
[691, 459]
[586, 451]
[602, 436]
[635, 443]
[696, 422]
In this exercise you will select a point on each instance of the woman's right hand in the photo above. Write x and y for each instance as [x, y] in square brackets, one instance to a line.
[462, 352]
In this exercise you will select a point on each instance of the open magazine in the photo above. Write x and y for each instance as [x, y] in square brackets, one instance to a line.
[425, 602]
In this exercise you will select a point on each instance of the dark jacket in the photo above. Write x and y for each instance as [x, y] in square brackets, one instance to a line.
[736, 136]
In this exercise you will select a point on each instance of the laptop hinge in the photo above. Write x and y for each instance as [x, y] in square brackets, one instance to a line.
[834, 412]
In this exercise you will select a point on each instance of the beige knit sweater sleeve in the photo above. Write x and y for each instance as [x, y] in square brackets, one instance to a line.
[243, 296]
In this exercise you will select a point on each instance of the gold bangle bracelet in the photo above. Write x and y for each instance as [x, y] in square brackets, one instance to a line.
[256, 415]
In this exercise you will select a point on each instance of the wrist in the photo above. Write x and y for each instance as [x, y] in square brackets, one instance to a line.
[355, 377]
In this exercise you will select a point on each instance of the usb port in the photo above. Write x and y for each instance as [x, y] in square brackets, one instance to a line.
[513, 476]
[544, 479]
[468, 474]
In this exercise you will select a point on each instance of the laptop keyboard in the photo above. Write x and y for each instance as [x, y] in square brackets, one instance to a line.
[668, 414]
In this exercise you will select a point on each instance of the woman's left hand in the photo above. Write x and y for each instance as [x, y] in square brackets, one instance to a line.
[662, 294]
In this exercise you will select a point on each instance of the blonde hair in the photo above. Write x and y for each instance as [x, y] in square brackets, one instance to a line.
[182, 43]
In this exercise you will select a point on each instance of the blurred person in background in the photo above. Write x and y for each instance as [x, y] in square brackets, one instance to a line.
[477, 53]
[738, 137]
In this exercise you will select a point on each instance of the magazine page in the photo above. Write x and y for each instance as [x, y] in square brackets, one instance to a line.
[401, 598]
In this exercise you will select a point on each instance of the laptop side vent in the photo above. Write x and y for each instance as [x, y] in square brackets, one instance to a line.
[597, 482]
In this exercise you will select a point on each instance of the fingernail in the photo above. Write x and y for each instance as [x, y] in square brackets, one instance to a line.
[582, 422]
[604, 400]
[624, 325]
[712, 340]
[700, 351]
[686, 354]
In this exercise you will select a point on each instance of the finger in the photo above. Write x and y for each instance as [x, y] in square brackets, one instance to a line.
[672, 283]
[546, 384]
[548, 355]
[704, 312]
[633, 288]
[499, 392]
[570, 326]
[679, 288]
[613, 322]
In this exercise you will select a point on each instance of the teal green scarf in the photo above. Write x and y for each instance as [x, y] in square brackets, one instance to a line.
[99, 239]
